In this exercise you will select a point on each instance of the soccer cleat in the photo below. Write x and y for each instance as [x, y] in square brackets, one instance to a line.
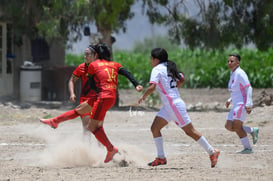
[246, 151]
[49, 122]
[110, 155]
[254, 135]
[214, 157]
[158, 161]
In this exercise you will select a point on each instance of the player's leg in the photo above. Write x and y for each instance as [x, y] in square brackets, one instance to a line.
[197, 136]
[101, 106]
[238, 127]
[254, 134]
[71, 114]
[156, 127]
[201, 140]
[85, 121]
[85, 132]
[181, 118]
[228, 124]
[239, 116]
[253, 131]
[101, 136]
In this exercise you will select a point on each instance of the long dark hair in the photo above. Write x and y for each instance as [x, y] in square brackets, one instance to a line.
[103, 51]
[162, 55]
[173, 71]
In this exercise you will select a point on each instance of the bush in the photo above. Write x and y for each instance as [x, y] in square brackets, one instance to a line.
[202, 69]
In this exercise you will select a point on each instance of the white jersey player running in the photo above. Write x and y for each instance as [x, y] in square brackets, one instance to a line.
[165, 78]
[241, 98]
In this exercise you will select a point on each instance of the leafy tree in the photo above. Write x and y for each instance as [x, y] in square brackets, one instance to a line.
[216, 24]
[252, 20]
[59, 19]
[110, 16]
[63, 18]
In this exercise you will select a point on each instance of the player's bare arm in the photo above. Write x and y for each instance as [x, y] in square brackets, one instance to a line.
[149, 90]
[73, 79]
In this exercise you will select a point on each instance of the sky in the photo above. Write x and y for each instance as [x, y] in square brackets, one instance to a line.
[138, 28]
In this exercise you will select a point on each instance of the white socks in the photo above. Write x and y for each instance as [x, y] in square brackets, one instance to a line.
[204, 143]
[245, 142]
[247, 129]
[159, 146]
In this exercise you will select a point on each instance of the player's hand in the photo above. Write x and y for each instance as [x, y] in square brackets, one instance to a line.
[141, 99]
[139, 88]
[73, 98]
[227, 104]
[248, 110]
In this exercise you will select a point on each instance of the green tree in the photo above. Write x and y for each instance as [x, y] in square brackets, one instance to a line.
[252, 20]
[63, 19]
[66, 18]
[216, 24]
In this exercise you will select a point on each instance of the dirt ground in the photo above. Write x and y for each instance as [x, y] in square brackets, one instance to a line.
[30, 150]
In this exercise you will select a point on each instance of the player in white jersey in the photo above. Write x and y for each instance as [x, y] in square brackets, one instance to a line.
[165, 78]
[241, 98]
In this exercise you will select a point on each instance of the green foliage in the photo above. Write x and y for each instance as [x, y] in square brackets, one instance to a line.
[202, 69]
[73, 59]
[216, 24]
[158, 41]
[64, 19]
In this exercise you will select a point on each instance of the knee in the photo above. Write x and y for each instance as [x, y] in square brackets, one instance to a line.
[95, 129]
[155, 131]
[93, 126]
[237, 129]
[229, 128]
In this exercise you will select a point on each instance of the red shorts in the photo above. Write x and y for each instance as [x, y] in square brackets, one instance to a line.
[90, 101]
[100, 107]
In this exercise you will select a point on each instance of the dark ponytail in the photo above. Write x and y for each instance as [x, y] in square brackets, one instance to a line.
[103, 52]
[172, 70]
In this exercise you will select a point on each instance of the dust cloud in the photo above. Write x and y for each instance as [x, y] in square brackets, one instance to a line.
[66, 148]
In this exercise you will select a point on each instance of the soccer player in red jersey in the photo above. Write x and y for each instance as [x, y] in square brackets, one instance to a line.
[105, 73]
[86, 92]
[84, 109]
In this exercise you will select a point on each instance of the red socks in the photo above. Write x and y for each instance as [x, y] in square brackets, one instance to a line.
[66, 116]
[101, 137]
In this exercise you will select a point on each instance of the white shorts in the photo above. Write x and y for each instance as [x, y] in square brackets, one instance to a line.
[238, 112]
[176, 112]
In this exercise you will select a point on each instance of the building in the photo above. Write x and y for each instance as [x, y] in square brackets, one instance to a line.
[50, 56]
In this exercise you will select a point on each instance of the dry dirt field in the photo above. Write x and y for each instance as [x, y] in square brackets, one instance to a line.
[31, 151]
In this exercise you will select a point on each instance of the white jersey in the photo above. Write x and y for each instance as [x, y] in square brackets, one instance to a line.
[237, 83]
[174, 108]
[165, 85]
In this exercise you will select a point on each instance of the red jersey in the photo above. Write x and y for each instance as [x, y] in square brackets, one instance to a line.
[106, 76]
[82, 72]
